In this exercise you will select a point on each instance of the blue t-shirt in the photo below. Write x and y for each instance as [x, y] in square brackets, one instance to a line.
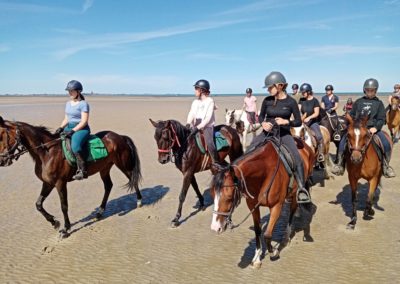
[329, 103]
[74, 112]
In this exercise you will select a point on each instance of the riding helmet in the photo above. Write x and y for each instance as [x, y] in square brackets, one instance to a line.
[202, 84]
[74, 85]
[329, 88]
[371, 84]
[249, 90]
[295, 87]
[274, 78]
[305, 88]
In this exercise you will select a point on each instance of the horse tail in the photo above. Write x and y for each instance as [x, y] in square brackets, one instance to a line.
[136, 175]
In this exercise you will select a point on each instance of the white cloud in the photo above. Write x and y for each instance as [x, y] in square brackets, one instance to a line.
[86, 5]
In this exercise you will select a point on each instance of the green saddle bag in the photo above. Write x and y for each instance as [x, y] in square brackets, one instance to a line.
[94, 150]
[220, 142]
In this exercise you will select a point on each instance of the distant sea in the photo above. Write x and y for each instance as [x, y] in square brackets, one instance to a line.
[341, 94]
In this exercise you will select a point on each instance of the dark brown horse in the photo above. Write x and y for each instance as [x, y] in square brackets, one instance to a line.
[362, 161]
[17, 138]
[175, 145]
[261, 177]
[337, 127]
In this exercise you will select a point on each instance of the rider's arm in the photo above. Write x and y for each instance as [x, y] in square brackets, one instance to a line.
[263, 111]
[208, 115]
[64, 122]
[336, 103]
[380, 117]
[192, 113]
[296, 121]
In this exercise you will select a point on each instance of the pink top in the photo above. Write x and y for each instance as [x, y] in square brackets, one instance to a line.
[250, 103]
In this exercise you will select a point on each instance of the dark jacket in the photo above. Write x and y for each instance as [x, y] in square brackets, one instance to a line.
[373, 108]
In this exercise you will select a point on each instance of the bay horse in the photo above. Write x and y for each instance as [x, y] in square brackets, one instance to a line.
[17, 138]
[362, 161]
[235, 116]
[337, 127]
[304, 133]
[175, 145]
[261, 177]
[393, 119]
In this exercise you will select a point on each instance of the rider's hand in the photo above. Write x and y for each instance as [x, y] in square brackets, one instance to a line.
[329, 111]
[267, 126]
[69, 133]
[307, 119]
[281, 121]
[188, 125]
[193, 130]
[373, 130]
[59, 130]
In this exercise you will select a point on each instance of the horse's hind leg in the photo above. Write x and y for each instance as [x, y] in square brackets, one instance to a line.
[256, 262]
[62, 192]
[275, 212]
[193, 182]
[46, 189]
[369, 211]
[105, 176]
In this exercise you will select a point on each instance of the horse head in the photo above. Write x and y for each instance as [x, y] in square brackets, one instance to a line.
[229, 117]
[358, 137]
[10, 140]
[395, 103]
[226, 194]
[164, 138]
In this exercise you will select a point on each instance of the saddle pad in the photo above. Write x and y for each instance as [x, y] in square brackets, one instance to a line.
[220, 142]
[94, 150]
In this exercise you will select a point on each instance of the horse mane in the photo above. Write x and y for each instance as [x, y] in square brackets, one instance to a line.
[218, 182]
[358, 121]
[181, 131]
[37, 130]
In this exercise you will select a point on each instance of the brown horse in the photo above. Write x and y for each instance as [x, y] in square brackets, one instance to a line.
[393, 119]
[176, 145]
[362, 161]
[262, 178]
[17, 138]
[337, 126]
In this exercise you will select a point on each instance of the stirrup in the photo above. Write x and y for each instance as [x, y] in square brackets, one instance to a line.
[336, 137]
[80, 175]
[303, 196]
[388, 172]
[320, 158]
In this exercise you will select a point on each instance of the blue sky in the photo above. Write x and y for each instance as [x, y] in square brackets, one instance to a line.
[163, 47]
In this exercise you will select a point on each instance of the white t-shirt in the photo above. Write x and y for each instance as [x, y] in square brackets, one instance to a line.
[201, 113]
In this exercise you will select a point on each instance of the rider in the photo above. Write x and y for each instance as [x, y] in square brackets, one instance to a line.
[75, 125]
[250, 107]
[201, 116]
[330, 102]
[396, 93]
[373, 107]
[296, 95]
[309, 107]
[277, 109]
[348, 106]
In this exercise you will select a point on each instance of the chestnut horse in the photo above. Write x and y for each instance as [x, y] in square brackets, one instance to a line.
[176, 145]
[393, 119]
[17, 138]
[362, 161]
[262, 178]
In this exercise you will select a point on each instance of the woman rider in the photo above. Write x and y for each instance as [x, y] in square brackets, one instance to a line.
[277, 109]
[75, 125]
[309, 107]
[201, 116]
[250, 106]
[369, 105]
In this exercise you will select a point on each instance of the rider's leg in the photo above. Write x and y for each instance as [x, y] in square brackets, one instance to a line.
[320, 141]
[209, 138]
[388, 171]
[338, 169]
[78, 140]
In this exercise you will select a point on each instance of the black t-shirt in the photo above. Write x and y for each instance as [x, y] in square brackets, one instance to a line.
[284, 109]
[307, 107]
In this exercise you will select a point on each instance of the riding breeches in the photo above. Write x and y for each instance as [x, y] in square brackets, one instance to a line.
[79, 138]
[318, 135]
[251, 116]
[209, 139]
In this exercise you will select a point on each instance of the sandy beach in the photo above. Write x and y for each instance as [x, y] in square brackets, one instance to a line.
[137, 245]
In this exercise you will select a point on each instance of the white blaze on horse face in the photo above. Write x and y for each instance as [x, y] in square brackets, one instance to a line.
[357, 133]
[215, 224]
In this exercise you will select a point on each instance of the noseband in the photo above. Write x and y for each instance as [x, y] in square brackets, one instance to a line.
[236, 197]
[172, 141]
[358, 149]
[9, 155]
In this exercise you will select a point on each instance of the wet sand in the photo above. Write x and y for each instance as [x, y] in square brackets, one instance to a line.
[137, 245]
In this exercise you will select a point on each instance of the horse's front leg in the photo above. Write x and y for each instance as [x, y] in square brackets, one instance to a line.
[369, 211]
[62, 192]
[256, 262]
[187, 178]
[275, 212]
[353, 185]
[105, 176]
[46, 190]
[195, 186]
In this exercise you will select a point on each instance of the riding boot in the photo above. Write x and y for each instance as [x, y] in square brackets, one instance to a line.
[215, 157]
[321, 150]
[388, 171]
[303, 196]
[338, 169]
[81, 173]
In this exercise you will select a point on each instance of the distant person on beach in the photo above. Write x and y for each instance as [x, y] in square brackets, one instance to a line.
[330, 102]
[372, 107]
[310, 110]
[201, 116]
[396, 93]
[250, 107]
[295, 93]
[75, 125]
[348, 106]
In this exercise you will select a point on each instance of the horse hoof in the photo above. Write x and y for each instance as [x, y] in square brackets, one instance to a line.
[275, 257]
[56, 225]
[139, 203]
[64, 234]
[256, 265]
[371, 212]
[308, 239]
[99, 215]
[174, 223]
[350, 226]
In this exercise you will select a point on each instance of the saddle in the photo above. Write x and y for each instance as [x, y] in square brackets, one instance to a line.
[220, 141]
[378, 146]
[312, 135]
[94, 150]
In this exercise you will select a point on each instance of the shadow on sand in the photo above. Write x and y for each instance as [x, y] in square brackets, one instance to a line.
[207, 202]
[123, 205]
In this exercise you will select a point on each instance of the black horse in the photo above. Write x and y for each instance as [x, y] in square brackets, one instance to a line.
[175, 144]
[337, 127]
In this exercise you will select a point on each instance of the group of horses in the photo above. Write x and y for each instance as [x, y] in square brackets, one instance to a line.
[260, 175]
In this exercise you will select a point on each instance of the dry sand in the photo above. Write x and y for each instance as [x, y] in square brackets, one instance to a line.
[137, 245]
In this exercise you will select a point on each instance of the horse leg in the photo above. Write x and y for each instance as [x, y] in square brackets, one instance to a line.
[353, 185]
[195, 186]
[62, 192]
[273, 218]
[256, 262]
[46, 190]
[369, 211]
[105, 176]
[187, 178]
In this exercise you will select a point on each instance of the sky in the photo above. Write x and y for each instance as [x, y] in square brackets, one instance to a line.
[164, 47]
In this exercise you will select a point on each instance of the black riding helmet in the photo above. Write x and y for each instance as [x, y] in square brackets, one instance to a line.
[295, 87]
[74, 86]
[371, 84]
[202, 84]
[274, 78]
[305, 88]
[249, 90]
[329, 88]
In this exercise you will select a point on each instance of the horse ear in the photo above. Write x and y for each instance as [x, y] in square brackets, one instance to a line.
[233, 111]
[1, 121]
[226, 110]
[155, 124]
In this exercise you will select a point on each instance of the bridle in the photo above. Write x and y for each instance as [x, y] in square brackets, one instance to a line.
[358, 149]
[172, 141]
